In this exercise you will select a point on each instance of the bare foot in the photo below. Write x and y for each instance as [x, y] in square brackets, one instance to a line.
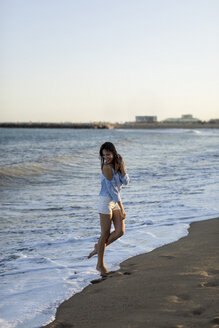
[94, 252]
[102, 269]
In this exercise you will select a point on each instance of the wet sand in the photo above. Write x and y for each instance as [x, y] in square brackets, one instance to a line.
[174, 286]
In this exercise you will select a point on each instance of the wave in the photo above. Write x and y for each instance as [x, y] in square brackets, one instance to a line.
[28, 172]
[22, 170]
[42, 166]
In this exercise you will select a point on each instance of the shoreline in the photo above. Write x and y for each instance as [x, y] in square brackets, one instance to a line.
[176, 285]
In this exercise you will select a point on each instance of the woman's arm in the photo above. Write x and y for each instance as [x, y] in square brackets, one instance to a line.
[122, 168]
[124, 178]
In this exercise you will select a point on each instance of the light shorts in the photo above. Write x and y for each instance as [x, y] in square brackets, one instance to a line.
[106, 205]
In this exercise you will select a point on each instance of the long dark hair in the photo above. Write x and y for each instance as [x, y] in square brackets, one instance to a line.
[116, 156]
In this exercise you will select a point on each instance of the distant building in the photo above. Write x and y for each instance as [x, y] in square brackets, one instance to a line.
[214, 121]
[188, 118]
[146, 119]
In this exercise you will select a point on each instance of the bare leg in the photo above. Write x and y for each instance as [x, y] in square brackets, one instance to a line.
[105, 224]
[119, 226]
[94, 252]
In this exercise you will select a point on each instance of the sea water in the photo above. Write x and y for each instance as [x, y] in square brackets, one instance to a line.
[50, 180]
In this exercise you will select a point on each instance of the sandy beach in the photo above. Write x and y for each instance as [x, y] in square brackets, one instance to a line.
[174, 286]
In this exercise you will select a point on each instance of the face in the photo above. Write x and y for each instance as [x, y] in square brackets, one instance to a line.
[107, 156]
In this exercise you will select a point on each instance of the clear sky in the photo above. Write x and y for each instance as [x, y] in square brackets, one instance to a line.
[108, 60]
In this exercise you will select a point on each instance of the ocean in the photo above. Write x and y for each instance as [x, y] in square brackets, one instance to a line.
[49, 186]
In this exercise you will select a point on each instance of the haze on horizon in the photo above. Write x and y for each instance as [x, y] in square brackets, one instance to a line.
[104, 60]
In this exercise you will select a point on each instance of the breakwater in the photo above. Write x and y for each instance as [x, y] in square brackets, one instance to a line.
[45, 125]
[107, 125]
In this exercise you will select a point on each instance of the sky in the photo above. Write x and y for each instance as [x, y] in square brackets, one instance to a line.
[108, 60]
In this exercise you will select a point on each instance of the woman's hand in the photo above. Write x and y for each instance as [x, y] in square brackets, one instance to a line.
[123, 214]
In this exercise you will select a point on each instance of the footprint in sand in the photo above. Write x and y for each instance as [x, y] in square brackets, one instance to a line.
[169, 257]
[216, 320]
[212, 283]
[198, 311]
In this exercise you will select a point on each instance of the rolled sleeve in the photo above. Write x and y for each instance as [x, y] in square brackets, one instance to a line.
[113, 190]
[125, 180]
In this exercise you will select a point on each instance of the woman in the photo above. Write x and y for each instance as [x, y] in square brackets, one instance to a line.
[110, 204]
